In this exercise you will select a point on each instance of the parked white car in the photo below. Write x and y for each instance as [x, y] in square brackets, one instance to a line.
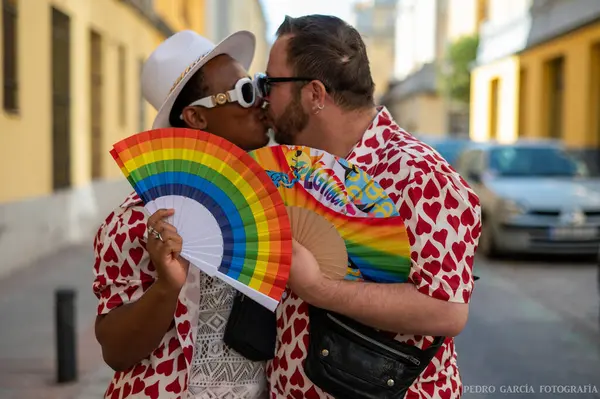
[535, 198]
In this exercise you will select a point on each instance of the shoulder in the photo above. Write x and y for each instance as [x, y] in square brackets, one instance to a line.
[129, 218]
[409, 163]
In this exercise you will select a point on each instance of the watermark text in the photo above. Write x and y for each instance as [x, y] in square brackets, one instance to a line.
[520, 389]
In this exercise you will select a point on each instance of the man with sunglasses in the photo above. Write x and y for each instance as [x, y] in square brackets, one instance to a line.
[160, 322]
[320, 93]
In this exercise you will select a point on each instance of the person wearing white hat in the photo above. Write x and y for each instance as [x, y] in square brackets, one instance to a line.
[161, 323]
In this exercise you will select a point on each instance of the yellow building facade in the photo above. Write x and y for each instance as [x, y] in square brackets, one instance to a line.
[70, 88]
[549, 89]
[182, 14]
[560, 89]
[423, 113]
[494, 101]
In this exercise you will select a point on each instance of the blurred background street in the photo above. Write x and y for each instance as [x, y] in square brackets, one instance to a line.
[508, 91]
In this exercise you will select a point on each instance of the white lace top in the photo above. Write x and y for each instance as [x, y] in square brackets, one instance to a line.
[218, 371]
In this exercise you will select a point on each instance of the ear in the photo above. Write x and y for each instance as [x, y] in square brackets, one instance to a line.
[317, 94]
[194, 118]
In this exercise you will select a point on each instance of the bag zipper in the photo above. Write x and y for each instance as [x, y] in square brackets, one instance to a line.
[413, 359]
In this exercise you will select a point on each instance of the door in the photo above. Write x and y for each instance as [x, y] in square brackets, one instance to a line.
[61, 100]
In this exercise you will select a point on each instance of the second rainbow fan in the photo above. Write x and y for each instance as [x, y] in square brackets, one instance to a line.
[315, 184]
[232, 220]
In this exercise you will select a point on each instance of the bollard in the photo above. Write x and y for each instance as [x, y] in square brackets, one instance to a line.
[66, 335]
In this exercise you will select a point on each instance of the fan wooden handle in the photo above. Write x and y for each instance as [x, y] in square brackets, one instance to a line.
[322, 239]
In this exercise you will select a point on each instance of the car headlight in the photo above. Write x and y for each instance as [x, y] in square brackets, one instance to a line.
[508, 209]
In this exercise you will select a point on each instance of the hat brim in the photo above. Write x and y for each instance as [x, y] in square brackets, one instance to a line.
[239, 45]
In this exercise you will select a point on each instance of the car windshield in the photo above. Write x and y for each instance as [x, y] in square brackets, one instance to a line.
[535, 161]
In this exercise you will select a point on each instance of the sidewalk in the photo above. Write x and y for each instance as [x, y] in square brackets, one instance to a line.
[94, 386]
[27, 337]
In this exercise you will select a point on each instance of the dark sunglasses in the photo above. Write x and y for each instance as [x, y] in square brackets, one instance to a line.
[263, 82]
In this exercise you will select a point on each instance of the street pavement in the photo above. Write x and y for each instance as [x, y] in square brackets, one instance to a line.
[27, 331]
[531, 323]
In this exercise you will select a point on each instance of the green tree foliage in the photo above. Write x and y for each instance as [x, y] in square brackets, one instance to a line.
[454, 73]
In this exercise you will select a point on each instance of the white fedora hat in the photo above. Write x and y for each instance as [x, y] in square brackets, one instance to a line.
[176, 60]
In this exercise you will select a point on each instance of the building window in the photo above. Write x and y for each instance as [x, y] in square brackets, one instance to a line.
[9, 52]
[96, 96]
[122, 76]
[555, 87]
[494, 108]
[142, 102]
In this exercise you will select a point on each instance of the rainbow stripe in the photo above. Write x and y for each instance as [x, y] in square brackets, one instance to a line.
[366, 218]
[230, 184]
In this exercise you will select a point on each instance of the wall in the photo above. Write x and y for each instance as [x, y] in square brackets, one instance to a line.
[420, 113]
[506, 30]
[223, 17]
[507, 73]
[415, 36]
[182, 14]
[523, 106]
[464, 18]
[26, 138]
[506, 11]
[377, 30]
[34, 220]
[381, 59]
[34, 228]
[581, 85]
[248, 15]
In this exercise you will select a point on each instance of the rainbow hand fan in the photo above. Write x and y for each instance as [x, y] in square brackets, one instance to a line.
[229, 214]
[365, 217]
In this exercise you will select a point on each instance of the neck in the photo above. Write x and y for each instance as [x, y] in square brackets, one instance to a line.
[342, 130]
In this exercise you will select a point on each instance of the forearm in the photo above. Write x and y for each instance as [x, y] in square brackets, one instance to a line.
[393, 307]
[131, 332]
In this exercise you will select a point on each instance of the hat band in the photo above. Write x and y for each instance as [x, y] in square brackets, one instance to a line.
[187, 70]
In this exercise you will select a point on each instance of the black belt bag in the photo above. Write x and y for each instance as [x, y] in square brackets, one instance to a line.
[349, 360]
[251, 329]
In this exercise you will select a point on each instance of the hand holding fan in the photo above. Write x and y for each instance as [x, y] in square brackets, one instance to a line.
[365, 217]
[230, 216]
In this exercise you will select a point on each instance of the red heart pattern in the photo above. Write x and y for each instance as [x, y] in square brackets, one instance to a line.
[121, 264]
[442, 218]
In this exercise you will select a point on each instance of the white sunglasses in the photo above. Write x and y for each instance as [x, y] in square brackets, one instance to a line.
[244, 93]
